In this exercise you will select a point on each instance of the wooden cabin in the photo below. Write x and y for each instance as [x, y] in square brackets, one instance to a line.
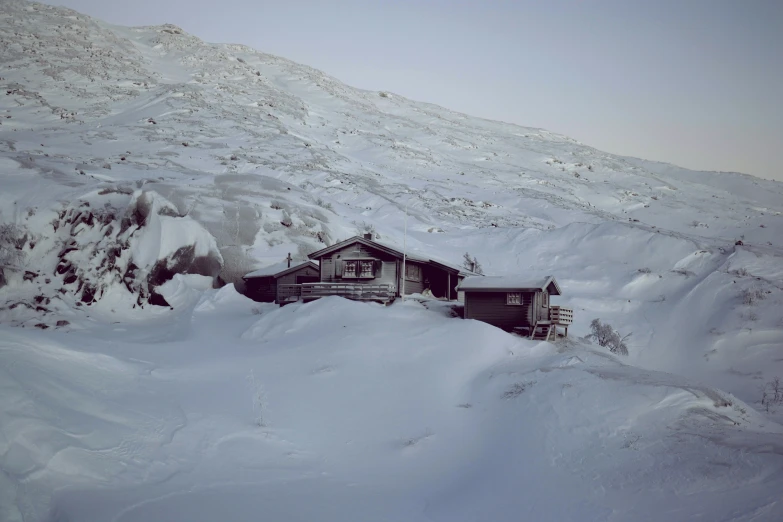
[272, 284]
[516, 304]
[363, 269]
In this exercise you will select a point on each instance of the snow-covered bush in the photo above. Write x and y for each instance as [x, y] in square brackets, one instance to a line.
[609, 337]
[12, 240]
[752, 295]
[645, 270]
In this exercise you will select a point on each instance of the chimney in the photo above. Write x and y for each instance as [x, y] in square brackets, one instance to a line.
[472, 266]
[368, 235]
[289, 259]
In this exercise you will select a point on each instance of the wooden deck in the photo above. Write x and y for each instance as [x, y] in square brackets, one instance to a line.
[546, 330]
[383, 293]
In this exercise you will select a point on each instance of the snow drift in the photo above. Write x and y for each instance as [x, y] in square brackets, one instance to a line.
[396, 413]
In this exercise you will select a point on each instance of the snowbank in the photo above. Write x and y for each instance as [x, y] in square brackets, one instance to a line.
[394, 413]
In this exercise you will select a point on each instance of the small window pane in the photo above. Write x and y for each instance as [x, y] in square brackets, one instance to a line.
[514, 298]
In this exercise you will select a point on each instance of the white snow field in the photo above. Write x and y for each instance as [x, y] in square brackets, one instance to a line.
[138, 165]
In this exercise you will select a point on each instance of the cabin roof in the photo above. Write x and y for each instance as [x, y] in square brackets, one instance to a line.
[393, 251]
[510, 283]
[279, 269]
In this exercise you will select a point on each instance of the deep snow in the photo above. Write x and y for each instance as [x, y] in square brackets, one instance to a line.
[119, 410]
[326, 411]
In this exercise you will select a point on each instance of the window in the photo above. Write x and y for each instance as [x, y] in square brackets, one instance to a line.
[545, 299]
[349, 269]
[514, 298]
[366, 268]
[412, 272]
[359, 269]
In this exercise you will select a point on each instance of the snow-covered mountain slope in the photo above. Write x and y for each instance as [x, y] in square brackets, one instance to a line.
[128, 155]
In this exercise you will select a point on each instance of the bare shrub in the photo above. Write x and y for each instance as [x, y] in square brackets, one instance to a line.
[471, 263]
[752, 295]
[366, 228]
[517, 389]
[324, 204]
[644, 270]
[608, 337]
[772, 394]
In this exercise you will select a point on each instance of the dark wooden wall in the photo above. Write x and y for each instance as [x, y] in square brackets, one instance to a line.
[491, 307]
[261, 289]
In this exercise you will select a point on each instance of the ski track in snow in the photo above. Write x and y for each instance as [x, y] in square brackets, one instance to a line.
[226, 409]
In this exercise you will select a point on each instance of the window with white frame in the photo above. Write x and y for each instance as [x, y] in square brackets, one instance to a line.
[366, 268]
[514, 298]
[349, 269]
[412, 272]
[359, 268]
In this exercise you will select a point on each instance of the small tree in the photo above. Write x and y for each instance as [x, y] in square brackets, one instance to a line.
[608, 336]
[12, 240]
[471, 263]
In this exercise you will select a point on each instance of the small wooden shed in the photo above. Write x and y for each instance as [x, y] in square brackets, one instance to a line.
[516, 303]
[271, 284]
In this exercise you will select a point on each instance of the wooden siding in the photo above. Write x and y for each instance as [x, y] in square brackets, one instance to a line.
[261, 289]
[491, 307]
[385, 272]
[543, 305]
[327, 269]
[290, 279]
[414, 287]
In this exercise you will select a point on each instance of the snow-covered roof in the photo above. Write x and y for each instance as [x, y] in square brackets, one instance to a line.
[278, 269]
[509, 283]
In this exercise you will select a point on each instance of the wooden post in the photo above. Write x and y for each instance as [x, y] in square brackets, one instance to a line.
[448, 286]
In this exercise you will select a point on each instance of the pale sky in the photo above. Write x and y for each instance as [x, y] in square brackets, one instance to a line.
[698, 83]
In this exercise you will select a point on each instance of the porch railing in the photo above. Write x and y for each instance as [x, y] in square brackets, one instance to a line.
[359, 292]
[561, 315]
